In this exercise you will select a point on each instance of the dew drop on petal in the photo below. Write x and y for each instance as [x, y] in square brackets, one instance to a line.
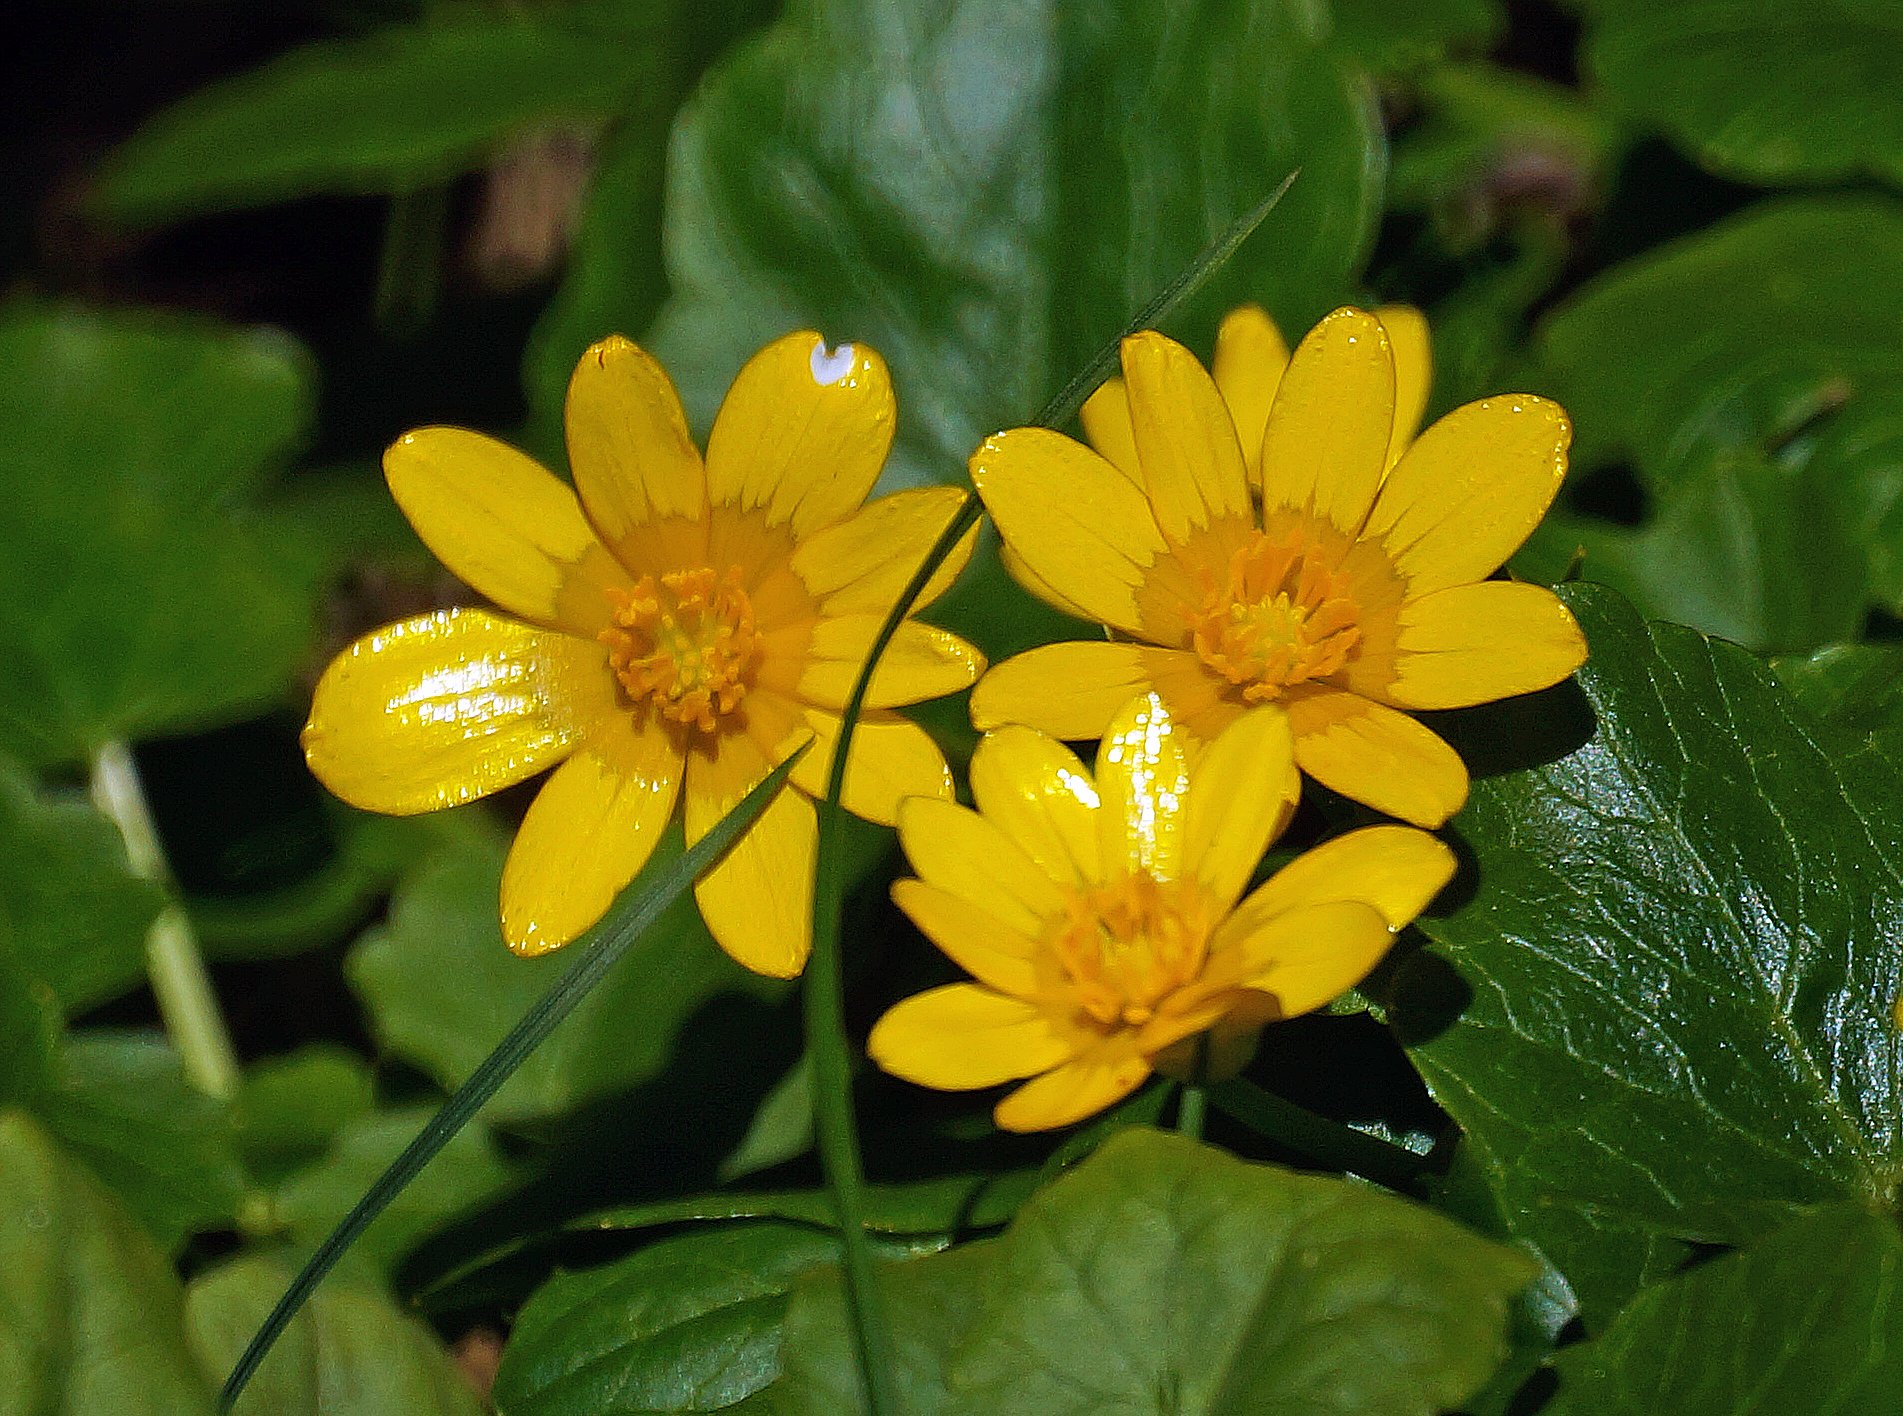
[833, 367]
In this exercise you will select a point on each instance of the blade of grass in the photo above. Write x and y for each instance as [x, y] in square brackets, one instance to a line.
[640, 905]
[823, 994]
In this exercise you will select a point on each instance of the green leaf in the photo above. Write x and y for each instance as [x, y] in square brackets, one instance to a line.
[133, 600]
[386, 113]
[1664, 1014]
[1856, 688]
[1163, 1276]
[1747, 376]
[351, 1351]
[30, 1030]
[75, 912]
[444, 926]
[1806, 1322]
[291, 1108]
[937, 180]
[91, 1324]
[1763, 93]
[1392, 36]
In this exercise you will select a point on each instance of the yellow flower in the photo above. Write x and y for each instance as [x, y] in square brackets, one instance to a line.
[677, 632]
[1324, 561]
[1098, 912]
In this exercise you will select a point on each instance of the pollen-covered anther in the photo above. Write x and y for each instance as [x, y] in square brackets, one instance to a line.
[1129, 945]
[1283, 616]
[685, 646]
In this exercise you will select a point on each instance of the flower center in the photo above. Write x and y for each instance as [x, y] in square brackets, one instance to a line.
[1283, 616]
[685, 645]
[1127, 946]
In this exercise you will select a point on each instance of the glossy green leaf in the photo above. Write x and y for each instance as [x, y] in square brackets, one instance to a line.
[291, 1108]
[1763, 93]
[1747, 376]
[1857, 688]
[984, 190]
[30, 1030]
[90, 1324]
[1664, 1013]
[1806, 1322]
[351, 1351]
[1164, 1276]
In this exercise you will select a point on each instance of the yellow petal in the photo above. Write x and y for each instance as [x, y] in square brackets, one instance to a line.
[504, 525]
[1143, 778]
[1186, 445]
[1396, 869]
[1014, 565]
[975, 939]
[1413, 372]
[628, 445]
[1375, 755]
[1241, 795]
[1326, 443]
[1078, 523]
[892, 759]
[1250, 357]
[1474, 643]
[1037, 792]
[961, 1037]
[1068, 690]
[1106, 419]
[803, 432]
[1100, 1078]
[1312, 955]
[921, 662]
[862, 564]
[1471, 489]
[758, 899]
[590, 829]
[448, 707]
[962, 853]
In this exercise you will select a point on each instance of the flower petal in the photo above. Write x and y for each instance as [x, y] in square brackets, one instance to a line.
[1326, 443]
[975, 939]
[1034, 583]
[1310, 956]
[892, 759]
[1186, 444]
[448, 707]
[1250, 357]
[1413, 372]
[1241, 795]
[590, 829]
[1037, 792]
[504, 525]
[758, 899]
[1106, 419]
[1474, 643]
[862, 564]
[1375, 755]
[1143, 779]
[1068, 690]
[921, 662]
[959, 851]
[628, 445]
[803, 432]
[1099, 1078]
[1078, 523]
[1471, 489]
[961, 1037]
[1397, 869]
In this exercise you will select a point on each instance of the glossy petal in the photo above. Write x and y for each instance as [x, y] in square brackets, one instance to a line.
[921, 662]
[1078, 523]
[862, 564]
[1250, 357]
[1068, 690]
[965, 855]
[1310, 956]
[1186, 444]
[1413, 372]
[590, 829]
[628, 445]
[758, 900]
[892, 759]
[980, 943]
[504, 525]
[961, 1037]
[1375, 755]
[1143, 778]
[803, 432]
[1036, 584]
[1098, 1079]
[1106, 419]
[1326, 443]
[1471, 489]
[1241, 795]
[1039, 794]
[1475, 643]
[448, 707]
[1396, 869]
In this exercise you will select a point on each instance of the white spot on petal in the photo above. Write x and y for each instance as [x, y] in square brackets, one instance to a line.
[834, 367]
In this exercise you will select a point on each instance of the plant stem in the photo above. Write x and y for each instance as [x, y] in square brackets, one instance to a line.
[188, 1006]
[1332, 1144]
[1190, 1109]
[409, 267]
